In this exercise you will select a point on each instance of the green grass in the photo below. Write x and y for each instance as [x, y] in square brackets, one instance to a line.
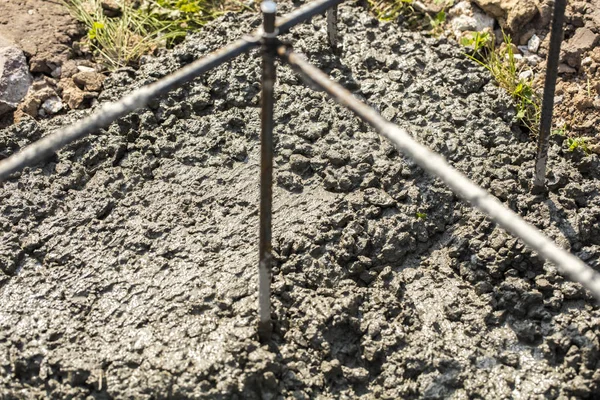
[502, 64]
[390, 10]
[122, 40]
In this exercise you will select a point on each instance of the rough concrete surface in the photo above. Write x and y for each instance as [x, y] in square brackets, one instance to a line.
[129, 260]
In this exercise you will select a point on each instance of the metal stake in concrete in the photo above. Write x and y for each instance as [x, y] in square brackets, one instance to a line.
[268, 8]
[332, 32]
[556, 37]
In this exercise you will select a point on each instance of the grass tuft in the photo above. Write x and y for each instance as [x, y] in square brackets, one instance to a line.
[390, 10]
[502, 64]
[121, 41]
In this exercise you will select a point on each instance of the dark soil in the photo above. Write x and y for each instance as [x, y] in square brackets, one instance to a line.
[129, 260]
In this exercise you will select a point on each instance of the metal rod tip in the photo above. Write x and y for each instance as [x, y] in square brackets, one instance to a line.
[268, 7]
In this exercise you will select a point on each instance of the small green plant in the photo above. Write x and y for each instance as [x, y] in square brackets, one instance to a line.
[578, 143]
[502, 64]
[561, 131]
[437, 22]
[421, 215]
[390, 10]
[478, 41]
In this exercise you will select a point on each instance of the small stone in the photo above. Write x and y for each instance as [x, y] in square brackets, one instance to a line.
[91, 81]
[52, 105]
[583, 40]
[526, 36]
[83, 68]
[586, 62]
[15, 79]
[524, 50]
[526, 75]
[533, 59]
[31, 103]
[111, 8]
[533, 44]
[56, 73]
[73, 96]
[565, 69]
[583, 102]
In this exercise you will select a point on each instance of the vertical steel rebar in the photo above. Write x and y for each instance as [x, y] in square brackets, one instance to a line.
[269, 9]
[332, 31]
[556, 37]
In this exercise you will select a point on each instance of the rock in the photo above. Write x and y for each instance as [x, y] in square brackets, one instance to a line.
[511, 14]
[111, 8]
[583, 40]
[15, 79]
[428, 6]
[583, 102]
[533, 44]
[565, 69]
[83, 68]
[526, 75]
[465, 17]
[526, 36]
[52, 105]
[91, 81]
[73, 95]
[68, 69]
[34, 99]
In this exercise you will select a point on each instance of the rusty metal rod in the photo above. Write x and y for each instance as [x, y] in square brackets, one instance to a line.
[556, 36]
[304, 13]
[110, 112]
[437, 166]
[332, 31]
[269, 9]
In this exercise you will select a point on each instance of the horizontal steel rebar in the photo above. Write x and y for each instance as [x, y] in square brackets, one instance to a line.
[437, 166]
[110, 112]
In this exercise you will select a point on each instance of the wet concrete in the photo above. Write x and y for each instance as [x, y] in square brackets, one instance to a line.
[129, 260]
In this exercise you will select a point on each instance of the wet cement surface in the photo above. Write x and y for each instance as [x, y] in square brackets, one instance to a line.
[129, 261]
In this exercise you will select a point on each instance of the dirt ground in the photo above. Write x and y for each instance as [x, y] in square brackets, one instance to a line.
[128, 261]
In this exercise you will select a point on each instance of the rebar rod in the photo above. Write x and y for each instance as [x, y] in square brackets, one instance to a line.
[437, 166]
[556, 36]
[110, 112]
[268, 8]
[304, 13]
[332, 32]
